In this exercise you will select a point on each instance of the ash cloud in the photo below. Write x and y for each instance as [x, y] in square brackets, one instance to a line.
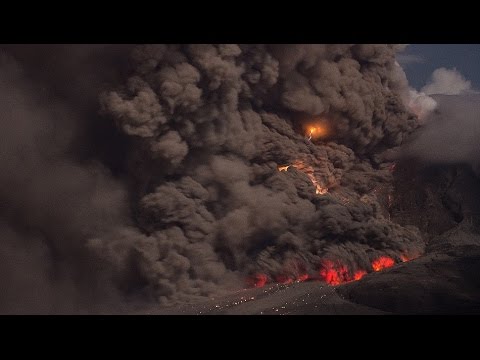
[211, 123]
[172, 193]
[52, 203]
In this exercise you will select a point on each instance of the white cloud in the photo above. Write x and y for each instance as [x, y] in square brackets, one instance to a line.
[451, 133]
[407, 59]
[446, 82]
[420, 104]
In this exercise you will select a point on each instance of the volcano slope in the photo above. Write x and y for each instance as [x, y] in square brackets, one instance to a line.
[441, 201]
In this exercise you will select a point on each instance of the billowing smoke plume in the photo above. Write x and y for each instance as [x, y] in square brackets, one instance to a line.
[421, 104]
[209, 126]
[183, 198]
[52, 200]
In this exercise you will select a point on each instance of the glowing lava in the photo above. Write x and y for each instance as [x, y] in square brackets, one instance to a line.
[331, 276]
[332, 272]
[336, 273]
[283, 168]
[383, 262]
[359, 274]
[257, 281]
[309, 171]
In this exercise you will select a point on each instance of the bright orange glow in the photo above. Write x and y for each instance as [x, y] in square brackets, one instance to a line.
[332, 272]
[310, 172]
[330, 276]
[383, 262]
[316, 131]
[336, 273]
[283, 168]
[359, 274]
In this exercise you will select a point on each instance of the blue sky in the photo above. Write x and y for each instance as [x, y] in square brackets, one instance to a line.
[420, 60]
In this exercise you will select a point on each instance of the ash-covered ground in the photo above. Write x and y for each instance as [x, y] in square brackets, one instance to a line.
[442, 282]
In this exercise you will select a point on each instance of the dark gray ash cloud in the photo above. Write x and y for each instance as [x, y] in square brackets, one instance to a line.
[213, 122]
[198, 203]
[51, 202]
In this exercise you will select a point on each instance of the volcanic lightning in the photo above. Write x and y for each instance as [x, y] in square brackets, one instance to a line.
[316, 131]
[309, 171]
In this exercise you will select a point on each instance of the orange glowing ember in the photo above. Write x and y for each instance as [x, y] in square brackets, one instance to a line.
[383, 262]
[359, 274]
[283, 168]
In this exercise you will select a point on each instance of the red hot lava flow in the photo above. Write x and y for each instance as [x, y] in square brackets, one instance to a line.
[383, 262]
[331, 272]
[258, 280]
[359, 274]
[336, 274]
